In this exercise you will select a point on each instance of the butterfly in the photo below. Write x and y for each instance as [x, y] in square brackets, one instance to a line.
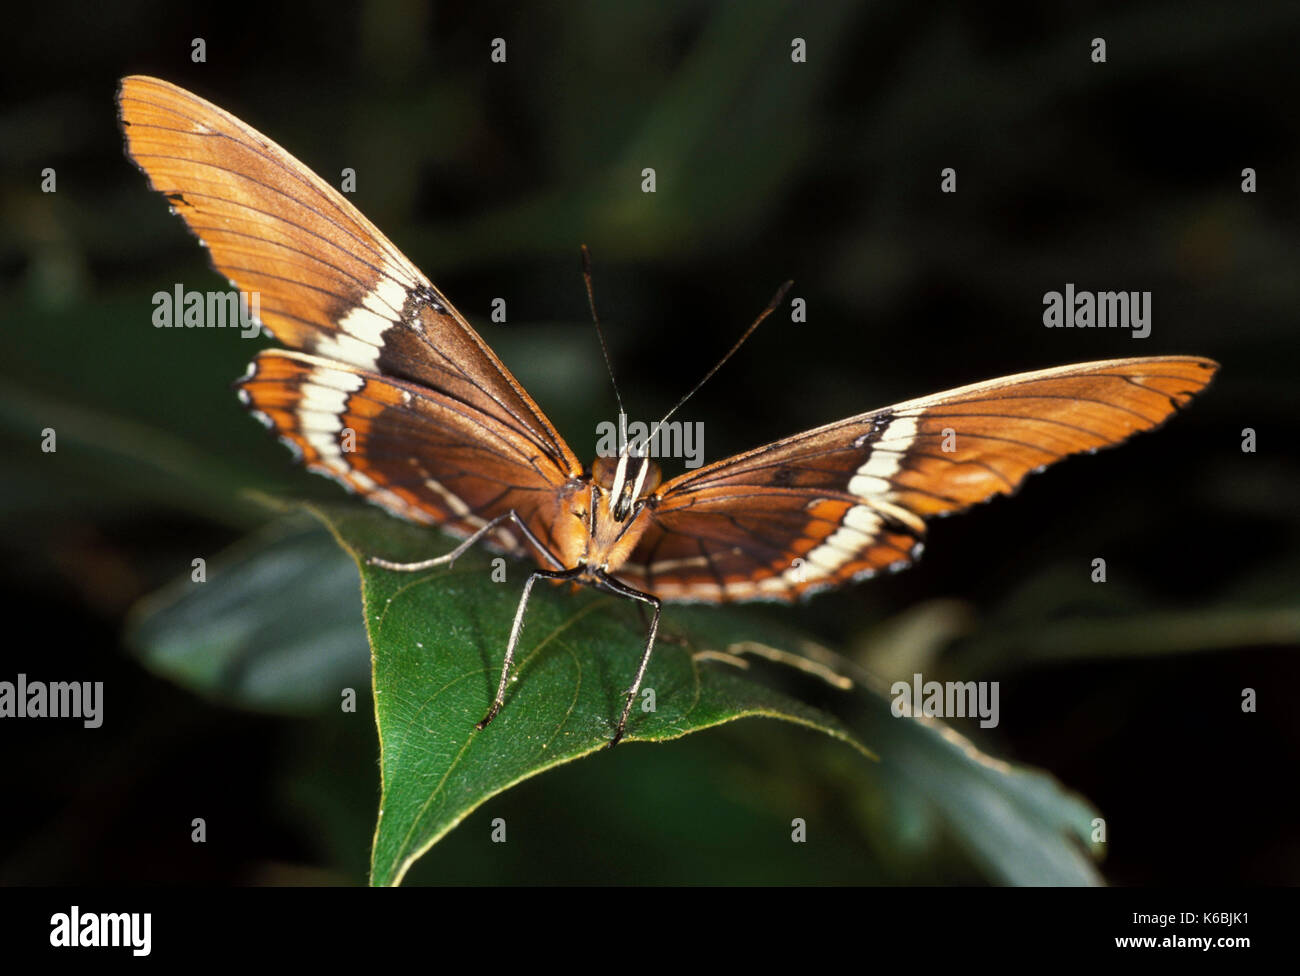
[387, 389]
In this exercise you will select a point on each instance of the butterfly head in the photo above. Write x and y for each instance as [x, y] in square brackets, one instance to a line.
[627, 479]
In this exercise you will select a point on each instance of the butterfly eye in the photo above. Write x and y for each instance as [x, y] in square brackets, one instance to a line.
[604, 470]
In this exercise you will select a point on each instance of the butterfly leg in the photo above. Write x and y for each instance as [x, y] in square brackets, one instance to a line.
[664, 638]
[612, 586]
[451, 557]
[500, 698]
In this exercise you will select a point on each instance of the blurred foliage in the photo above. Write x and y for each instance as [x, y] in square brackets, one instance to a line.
[273, 624]
[1123, 175]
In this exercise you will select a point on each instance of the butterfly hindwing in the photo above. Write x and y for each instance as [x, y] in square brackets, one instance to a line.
[850, 499]
[416, 452]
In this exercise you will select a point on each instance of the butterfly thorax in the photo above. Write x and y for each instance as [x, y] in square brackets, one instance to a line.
[612, 515]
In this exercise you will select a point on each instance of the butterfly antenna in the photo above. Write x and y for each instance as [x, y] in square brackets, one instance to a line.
[771, 307]
[609, 365]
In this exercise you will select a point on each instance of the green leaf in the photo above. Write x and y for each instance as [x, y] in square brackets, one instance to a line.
[437, 640]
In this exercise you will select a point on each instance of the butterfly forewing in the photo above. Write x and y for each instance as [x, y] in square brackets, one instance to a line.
[331, 285]
[849, 499]
[270, 224]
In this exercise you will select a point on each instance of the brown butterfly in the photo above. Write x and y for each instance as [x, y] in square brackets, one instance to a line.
[442, 434]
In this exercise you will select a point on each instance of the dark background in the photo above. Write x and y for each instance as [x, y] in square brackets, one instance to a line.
[1124, 175]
